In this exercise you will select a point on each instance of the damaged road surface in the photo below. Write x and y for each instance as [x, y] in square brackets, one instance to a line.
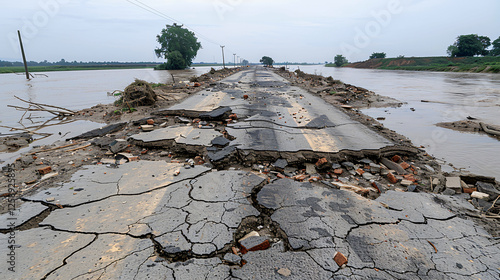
[278, 119]
[165, 219]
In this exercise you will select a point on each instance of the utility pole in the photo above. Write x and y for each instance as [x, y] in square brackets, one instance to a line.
[24, 56]
[234, 60]
[223, 61]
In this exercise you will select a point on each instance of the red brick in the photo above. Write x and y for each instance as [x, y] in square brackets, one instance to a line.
[410, 177]
[254, 243]
[150, 121]
[360, 171]
[45, 170]
[338, 171]
[281, 176]
[300, 177]
[392, 178]
[469, 190]
[233, 117]
[245, 96]
[321, 162]
[396, 158]
[404, 165]
[340, 259]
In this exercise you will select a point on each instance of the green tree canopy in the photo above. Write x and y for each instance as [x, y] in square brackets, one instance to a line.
[177, 44]
[378, 55]
[244, 62]
[495, 51]
[469, 45]
[340, 60]
[266, 60]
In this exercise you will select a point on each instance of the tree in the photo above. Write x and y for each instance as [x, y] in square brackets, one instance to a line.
[340, 60]
[266, 60]
[177, 44]
[244, 62]
[469, 45]
[377, 55]
[495, 51]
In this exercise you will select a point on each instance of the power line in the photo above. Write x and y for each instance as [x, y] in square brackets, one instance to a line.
[160, 14]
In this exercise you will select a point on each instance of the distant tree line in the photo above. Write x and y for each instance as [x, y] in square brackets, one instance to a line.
[63, 62]
[472, 45]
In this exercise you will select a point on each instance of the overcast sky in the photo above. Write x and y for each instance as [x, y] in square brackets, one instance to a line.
[286, 30]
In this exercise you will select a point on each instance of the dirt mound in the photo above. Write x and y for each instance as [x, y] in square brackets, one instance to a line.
[139, 93]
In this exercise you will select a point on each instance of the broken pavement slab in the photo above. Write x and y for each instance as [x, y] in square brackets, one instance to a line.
[390, 233]
[99, 182]
[187, 135]
[101, 131]
[40, 251]
[164, 213]
[22, 214]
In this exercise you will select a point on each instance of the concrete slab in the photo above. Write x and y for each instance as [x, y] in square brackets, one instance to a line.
[110, 256]
[22, 214]
[99, 182]
[39, 251]
[311, 215]
[265, 265]
[207, 210]
[179, 134]
[395, 240]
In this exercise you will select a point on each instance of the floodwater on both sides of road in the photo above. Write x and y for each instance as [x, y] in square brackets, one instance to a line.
[456, 96]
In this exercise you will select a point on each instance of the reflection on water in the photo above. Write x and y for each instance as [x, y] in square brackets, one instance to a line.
[453, 96]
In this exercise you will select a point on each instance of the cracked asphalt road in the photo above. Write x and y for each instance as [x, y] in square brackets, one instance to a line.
[141, 221]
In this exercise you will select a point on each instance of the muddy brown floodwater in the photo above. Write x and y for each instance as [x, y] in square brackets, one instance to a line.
[452, 96]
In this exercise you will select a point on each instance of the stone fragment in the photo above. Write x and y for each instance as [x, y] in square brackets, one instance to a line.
[340, 259]
[118, 145]
[406, 182]
[232, 259]
[254, 243]
[248, 235]
[487, 188]
[480, 195]
[454, 184]
[393, 166]
[285, 272]
[220, 113]
[280, 164]
[348, 165]
[147, 127]
[45, 170]
[412, 188]
[220, 141]
[150, 121]
[374, 168]
[101, 131]
[448, 191]
[310, 168]
[368, 176]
